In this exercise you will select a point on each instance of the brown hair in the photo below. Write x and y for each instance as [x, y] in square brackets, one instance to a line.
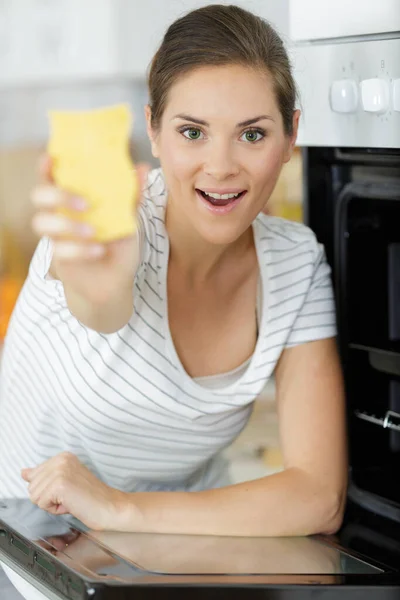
[217, 35]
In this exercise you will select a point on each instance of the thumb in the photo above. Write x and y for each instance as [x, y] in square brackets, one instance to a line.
[27, 474]
[61, 510]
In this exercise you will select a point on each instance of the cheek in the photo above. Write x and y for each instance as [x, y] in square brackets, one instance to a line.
[268, 166]
[176, 157]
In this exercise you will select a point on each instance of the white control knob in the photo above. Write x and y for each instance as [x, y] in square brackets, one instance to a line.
[375, 95]
[396, 94]
[344, 96]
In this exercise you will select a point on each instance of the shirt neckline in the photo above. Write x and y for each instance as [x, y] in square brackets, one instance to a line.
[170, 346]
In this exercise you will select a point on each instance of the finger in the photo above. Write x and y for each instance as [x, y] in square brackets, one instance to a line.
[56, 509]
[46, 196]
[27, 474]
[51, 496]
[44, 169]
[61, 510]
[71, 251]
[54, 225]
[50, 197]
[31, 473]
[38, 486]
[43, 490]
[48, 502]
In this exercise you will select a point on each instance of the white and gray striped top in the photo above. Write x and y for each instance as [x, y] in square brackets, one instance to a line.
[123, 402]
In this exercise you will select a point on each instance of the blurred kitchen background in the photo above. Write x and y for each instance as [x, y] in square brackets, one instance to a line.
[80, 54]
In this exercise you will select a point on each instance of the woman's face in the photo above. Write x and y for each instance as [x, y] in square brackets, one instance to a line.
[221, 133]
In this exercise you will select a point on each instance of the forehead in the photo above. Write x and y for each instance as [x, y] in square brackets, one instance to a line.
[223, 91]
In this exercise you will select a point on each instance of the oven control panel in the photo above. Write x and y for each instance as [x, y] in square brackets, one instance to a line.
[349, 92]
[376, 95]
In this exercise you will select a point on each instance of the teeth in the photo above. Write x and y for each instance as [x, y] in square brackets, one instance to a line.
[222, 196]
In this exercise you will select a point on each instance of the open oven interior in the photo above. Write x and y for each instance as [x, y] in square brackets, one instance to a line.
[353, 205]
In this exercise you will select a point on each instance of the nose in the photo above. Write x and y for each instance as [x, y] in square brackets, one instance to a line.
[221, 162]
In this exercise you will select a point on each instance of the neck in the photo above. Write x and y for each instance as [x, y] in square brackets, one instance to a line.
[198, 260]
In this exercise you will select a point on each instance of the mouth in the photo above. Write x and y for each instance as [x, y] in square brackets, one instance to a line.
[220, 203]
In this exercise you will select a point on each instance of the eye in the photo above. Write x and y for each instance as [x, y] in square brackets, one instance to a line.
[193, 133]
[253, 135]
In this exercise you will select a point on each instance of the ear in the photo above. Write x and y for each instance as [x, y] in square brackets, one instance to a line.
[150, 132]
[292, 139]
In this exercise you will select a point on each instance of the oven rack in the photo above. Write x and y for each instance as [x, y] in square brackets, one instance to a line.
[387, 422]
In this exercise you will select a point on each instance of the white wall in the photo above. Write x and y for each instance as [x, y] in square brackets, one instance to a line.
[77, 54]
[142, 24]
[47, 41]
[44, 41]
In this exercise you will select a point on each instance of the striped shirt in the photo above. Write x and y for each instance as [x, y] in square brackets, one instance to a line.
[122, 402]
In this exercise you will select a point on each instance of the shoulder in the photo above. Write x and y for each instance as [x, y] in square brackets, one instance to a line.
[291, 255]
[298, 292]
[281, 235]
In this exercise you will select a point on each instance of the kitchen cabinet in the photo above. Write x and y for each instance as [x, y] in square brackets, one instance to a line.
[315, 19]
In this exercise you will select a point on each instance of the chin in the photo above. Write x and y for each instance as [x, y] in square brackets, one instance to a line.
[221, 235]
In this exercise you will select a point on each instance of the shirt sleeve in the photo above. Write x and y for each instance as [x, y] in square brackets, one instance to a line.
[149, 223]
[39, 269]
[317, 317]
[41, 259]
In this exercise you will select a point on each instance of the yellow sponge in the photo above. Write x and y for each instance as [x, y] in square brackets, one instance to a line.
[90, 159]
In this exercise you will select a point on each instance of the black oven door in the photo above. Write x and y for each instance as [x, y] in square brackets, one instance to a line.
[352, 202]
[64, 560]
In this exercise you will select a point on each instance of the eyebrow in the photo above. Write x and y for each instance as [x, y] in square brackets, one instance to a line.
[242, 124]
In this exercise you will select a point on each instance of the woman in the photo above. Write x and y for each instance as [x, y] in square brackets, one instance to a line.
[129, 367]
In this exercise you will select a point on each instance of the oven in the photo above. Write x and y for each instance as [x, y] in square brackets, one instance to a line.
[348, 75]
